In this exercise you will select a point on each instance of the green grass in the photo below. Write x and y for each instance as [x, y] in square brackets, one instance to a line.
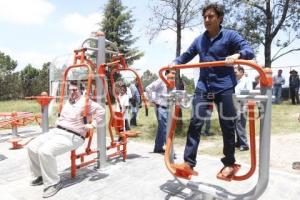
[20, 106]
[284, 121]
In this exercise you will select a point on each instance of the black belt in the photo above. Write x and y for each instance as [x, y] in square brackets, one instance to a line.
[82, 137]
[159, 106]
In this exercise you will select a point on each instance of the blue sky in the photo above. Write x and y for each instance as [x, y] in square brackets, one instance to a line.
[37, 31]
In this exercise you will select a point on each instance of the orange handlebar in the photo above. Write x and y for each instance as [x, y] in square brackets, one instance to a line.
[265, 74]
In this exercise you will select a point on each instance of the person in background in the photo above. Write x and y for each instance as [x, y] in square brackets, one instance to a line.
[68, 135]
[215, 84]
[243, 84]
[154, 93]
[294, 84]
[135, 102]
[278, 82]
[122, 103]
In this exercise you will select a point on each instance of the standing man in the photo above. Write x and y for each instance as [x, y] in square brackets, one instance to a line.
[243, 84]
[154, 92]
[69, 134]
[135, 102]
[294, 84]
[215, 84]
[278, 82]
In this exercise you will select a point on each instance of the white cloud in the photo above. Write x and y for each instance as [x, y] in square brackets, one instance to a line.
[81, 25]
[25, 11]
[168, 37]
[36, 59]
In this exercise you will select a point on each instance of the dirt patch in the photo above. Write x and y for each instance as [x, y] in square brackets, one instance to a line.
[285, 150]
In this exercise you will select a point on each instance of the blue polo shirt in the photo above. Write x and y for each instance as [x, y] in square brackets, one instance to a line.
[228, 42]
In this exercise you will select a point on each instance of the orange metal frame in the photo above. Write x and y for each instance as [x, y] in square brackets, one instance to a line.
[16, 119]
[265, 80]
[116, 119]
[80, 61]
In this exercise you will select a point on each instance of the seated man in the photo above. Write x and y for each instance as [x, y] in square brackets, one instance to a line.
[69, 134]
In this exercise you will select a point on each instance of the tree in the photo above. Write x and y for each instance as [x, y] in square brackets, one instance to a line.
[261, 22]
[147, 78]
[174, 15]
[43, 78]
[188, 84]
[8, 80]
[29, 79]
[117, 25]
[7, 65]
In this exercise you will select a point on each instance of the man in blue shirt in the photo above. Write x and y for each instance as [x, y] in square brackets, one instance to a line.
[215, 84]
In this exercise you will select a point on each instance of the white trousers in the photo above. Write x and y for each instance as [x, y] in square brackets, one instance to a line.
[42, 152]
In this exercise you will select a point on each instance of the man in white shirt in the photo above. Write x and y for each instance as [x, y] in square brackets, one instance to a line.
[154, 93]
[243, 85]
[69, 134]
[278, 82]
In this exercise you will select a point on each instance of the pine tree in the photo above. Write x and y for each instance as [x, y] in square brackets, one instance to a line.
[117, 25]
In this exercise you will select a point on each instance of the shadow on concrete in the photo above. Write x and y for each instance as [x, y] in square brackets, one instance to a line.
[6, 137]
[119, 159]
[2, 157]
[193, 191]
[82, 174]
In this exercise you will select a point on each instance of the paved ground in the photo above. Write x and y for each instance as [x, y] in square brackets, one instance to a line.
[142, 176]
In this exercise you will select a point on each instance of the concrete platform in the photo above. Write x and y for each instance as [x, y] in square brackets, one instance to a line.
[142, 176]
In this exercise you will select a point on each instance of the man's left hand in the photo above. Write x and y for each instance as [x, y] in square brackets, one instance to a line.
[89, 126]
[231, 59]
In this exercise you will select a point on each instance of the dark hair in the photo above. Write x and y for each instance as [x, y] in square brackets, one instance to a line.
[240, 69]
[74, 82]
[78, 84]
[219, 9]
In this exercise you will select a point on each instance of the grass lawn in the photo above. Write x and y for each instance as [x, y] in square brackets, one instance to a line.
[284, 121]
[284, 118]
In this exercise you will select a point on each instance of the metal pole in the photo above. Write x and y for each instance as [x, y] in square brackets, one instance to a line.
[101, 128]
[45, 119]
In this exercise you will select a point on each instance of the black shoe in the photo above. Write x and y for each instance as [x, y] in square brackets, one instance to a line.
[159, 151]
[244, 148]
[237, 145]
[52, 190]
[37, 181]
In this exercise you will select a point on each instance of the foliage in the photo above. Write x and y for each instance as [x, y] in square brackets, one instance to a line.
[176, 16]
[117, 25]
[189, 85]
[260, 22]
[7, 65]
[147, 78]
[8, 80]
[30, 81]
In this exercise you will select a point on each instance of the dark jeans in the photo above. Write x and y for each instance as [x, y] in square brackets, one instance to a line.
[277, 90]
[294, 93]
[240, 127]
[162, 118]
[133, 119]
[227, 114]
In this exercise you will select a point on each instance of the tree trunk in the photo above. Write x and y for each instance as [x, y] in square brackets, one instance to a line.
[268, 35]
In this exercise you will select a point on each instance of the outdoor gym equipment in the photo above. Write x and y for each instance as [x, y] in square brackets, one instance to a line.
[116, 120]
[15, 119]
[44, 101]
[179, 99]
[84, 57]
[80, 61]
